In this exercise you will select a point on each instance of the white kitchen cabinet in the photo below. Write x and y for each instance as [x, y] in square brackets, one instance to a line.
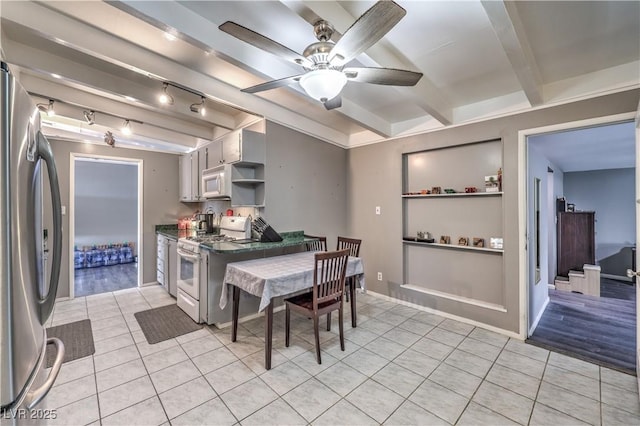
[184, 173]
[167, 264]
[240, 146]
[190, 171]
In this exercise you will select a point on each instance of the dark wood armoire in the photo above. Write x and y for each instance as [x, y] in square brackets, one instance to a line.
[576, 241]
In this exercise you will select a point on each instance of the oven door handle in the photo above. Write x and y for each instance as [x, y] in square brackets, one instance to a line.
[193, 257]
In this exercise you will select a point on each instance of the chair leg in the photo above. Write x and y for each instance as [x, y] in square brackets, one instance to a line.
[341, 326]
[287, 321]
[346, 292]
[316, 330]
[329, 321]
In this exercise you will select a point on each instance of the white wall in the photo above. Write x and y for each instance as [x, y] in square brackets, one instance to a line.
[106, 203]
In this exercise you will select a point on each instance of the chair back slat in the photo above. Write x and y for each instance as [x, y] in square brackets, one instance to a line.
[329, 276]
[319, 244]
[352, 244]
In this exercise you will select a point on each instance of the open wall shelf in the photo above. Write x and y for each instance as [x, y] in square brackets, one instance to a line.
[464, 273]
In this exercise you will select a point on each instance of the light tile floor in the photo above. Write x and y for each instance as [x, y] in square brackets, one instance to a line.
[401, 366]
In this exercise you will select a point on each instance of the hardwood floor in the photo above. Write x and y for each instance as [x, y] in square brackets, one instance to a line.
[598, 329]
[105, 279]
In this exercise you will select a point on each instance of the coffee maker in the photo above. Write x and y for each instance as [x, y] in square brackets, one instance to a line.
[205, 223]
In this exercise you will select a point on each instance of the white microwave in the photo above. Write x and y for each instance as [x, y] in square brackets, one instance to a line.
[216, 182]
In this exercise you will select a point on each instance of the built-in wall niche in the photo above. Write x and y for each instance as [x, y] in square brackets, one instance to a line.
[454, 192]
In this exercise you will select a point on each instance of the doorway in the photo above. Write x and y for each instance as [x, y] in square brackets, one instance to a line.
[105, 224]
[583, 168]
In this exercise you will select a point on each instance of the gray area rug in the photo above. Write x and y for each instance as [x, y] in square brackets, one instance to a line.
[165, 322]
[77, 338]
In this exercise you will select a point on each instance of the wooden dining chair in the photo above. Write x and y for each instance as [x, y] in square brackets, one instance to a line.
[318, 244]
[353, 245]
[325, 297]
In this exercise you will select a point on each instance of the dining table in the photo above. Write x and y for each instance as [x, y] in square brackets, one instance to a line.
[278, 276]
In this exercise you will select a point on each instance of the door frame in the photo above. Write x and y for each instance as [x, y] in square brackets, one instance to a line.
[637, 120]
[72, 191]
[523, 207]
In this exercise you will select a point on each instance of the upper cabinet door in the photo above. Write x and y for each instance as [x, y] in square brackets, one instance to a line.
[231, 152]
[184, 167]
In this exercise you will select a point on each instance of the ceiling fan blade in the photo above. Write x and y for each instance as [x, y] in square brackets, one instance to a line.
[366, 31]
[388, 76]
[264, 43]
[272, 84]
[333, 103]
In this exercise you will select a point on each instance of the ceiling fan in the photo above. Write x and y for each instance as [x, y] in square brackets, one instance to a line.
[324, 61]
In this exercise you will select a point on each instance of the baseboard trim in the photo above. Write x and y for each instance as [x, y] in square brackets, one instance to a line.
[538, 317]
[617, 277]
[149, 284]
[502, 331]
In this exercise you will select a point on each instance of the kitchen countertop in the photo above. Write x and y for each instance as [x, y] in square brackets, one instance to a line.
[289, 239]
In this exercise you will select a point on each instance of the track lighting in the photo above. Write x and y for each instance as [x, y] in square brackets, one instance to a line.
[126, 128]
[199, 108]
[109, 139]
[90, 117]
[165, 97]
[47, 108]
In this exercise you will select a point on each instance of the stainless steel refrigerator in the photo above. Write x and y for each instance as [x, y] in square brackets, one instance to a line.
[26, 295]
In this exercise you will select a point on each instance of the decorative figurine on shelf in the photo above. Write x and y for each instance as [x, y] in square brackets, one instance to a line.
[450, 191]
[463, 241]
[470, 189]
[436, 190]
[478, 242]
[500, 179]
[445, 239]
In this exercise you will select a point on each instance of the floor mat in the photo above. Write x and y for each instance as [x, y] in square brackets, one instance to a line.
[77, 338]
[165, 322]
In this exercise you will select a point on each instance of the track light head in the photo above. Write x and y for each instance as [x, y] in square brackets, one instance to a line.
[47, 108]
[90, 117]
[126, 128]
[165, 98]
[109, 139]
[199, 108]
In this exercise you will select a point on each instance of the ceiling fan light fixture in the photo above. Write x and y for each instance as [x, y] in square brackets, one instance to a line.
[323, 84]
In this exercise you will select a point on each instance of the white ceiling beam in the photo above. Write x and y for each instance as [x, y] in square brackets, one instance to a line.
[117, 88]
[197, 28]
[424, 94]
[173, 129]
[510, 31]
[85, 38]
[67, 114]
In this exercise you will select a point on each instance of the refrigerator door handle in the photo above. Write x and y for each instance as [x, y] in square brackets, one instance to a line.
[45, 153]
[35, 396]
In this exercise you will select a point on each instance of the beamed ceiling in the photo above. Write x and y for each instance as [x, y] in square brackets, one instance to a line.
[479, 59]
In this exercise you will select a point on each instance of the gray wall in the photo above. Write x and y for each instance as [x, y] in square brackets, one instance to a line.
[375, 179]
[160, 198]
[106, 203]
[306, 185]
[611, 194]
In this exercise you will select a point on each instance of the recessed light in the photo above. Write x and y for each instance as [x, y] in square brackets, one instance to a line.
[129, 98]
[56, 75]
[170, 36]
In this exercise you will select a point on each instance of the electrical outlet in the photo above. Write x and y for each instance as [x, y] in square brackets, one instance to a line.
[377, 209]
[379, 276]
